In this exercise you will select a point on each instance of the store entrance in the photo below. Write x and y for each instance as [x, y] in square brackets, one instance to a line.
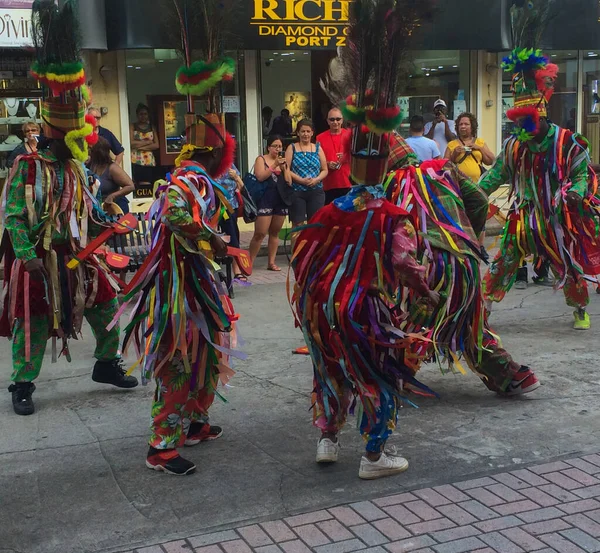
[290, 81]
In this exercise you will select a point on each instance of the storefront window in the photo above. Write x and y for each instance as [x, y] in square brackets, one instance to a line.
[562, 109]
[151, 82]
[436, 74]
[286, 83]
[19, 103]
[591, 102]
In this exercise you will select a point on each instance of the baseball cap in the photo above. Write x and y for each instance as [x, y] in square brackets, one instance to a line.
[439, 102]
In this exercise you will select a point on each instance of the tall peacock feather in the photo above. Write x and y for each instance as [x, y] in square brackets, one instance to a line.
[59, 68]
[204, 25]
[363, 78]
[533, 76]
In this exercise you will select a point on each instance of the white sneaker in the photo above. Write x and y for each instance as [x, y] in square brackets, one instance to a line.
[389, 463]
[327, 451]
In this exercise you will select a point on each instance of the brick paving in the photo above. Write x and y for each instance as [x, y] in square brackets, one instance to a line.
[553, 507]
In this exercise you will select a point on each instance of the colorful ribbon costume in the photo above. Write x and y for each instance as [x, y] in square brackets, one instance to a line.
[450, 212]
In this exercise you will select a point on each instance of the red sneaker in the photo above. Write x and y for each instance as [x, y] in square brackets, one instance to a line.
[523, 383]
[199, 432]
[169, 461]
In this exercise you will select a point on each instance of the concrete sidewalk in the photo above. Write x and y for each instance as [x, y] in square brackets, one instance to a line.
[73, 480]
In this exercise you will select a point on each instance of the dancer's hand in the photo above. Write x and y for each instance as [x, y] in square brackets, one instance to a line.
[573, 199]
[35, 268]
[218, 245]
[434, 297]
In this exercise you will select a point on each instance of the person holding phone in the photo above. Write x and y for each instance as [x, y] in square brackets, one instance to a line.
[335, 144]
[31, 135]
[441, 129]
[272, 207]
[468, 152]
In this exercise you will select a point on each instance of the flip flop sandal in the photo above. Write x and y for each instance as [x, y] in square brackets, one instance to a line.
[274, 268]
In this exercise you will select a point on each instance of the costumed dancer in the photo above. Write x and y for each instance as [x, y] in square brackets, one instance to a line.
[553, 204]
[183, 322]
[450, 213]
[49, 211]
[348, 261]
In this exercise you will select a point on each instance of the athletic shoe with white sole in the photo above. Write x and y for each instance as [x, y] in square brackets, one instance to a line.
[327, 450]
[388, 464]
[202, 432]
[169, 461]
[521, 285]
[523, 383]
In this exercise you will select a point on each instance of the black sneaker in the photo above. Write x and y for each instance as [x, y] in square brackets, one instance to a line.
[169, 461]
[21, 397]
[112, 372]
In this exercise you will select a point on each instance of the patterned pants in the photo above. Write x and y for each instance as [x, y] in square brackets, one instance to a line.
[497, 368]
[503, 273]
[98, 317]
[375, 436]
[176, 405]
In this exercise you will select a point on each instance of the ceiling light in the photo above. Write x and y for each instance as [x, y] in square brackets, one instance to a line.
[292, 60]
[138, 67]
[434, 69]
[130, 66]
[161, 61]
[455, 66]
[306, 53]
[553, 55]
[276, 53]
[427, 74]
[440, 67]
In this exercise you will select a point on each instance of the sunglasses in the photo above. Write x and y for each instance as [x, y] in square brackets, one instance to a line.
[335, 118]
[97, 117]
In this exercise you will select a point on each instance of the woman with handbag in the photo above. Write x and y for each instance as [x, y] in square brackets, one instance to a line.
[468, 152]
[232, 183]
[271, 170]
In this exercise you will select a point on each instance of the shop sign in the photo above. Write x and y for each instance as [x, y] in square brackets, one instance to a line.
[15, 28]
[298, 23]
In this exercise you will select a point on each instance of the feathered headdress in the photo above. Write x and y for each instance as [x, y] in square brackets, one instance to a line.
[208, 23]
[363, 78]
[58, 66]
[533, 76]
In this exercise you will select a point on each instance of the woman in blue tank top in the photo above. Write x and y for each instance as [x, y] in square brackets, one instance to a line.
[308, 168]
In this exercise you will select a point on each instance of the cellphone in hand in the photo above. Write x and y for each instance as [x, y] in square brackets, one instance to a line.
[468, 149]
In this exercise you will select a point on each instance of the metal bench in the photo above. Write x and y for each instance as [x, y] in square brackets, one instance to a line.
[136, 245]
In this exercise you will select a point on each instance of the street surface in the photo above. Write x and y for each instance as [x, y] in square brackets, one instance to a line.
[73, 480]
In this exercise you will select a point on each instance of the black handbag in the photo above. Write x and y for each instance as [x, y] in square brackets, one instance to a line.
[285, 191]
[250, 211]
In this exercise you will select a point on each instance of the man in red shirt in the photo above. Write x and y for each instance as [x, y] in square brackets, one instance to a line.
[335, 144]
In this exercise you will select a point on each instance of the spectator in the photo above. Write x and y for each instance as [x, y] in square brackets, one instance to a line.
[115, 146]
[441, 129]
[424, 147]
[31, 133]
[272, 210]
[231, 183]
[335, 144]
[308, 168]
[282, 124]
[144, 141]
[468, 152]
[267, 120]
[115, 183]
